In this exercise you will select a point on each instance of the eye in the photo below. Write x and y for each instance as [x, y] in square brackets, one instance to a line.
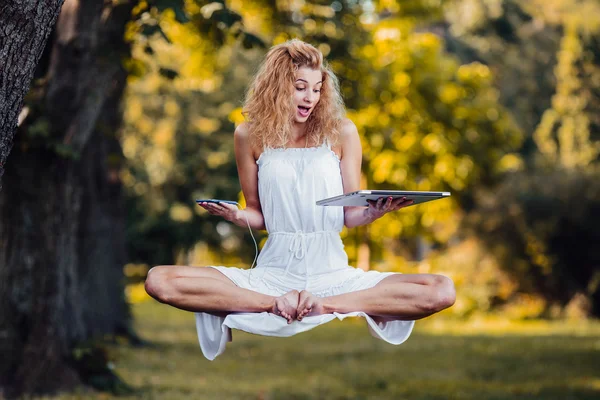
[299, 88]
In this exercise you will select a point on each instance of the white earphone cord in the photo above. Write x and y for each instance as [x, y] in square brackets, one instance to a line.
[250, 229]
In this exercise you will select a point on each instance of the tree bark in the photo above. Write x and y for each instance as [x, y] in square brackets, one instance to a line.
[24, 29]
[102, 248]
[61, 223]
[38, 281]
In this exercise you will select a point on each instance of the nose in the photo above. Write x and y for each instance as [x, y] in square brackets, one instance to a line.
[309, 96]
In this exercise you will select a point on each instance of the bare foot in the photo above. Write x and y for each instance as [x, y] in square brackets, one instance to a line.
[286, 305]
[308, 305]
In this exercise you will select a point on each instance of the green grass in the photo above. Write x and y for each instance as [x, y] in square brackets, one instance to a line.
[491, 360]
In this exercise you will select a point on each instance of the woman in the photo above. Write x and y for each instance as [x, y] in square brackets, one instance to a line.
[295, 148]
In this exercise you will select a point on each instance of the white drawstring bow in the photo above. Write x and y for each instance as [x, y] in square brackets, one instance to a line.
[297, 248]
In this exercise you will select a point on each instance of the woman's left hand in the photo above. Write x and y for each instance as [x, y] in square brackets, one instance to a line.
[379, 208]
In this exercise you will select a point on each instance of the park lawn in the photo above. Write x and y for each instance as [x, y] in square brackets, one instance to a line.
[441, 360]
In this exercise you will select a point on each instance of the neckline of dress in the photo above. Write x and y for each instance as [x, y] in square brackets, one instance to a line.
[312, 148]
[283, 149]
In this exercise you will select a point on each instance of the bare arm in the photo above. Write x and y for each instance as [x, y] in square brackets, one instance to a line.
[248, 175]
[350, 166]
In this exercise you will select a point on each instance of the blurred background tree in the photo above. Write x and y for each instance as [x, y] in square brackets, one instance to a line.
[541, 222]
[60, 264]
[27, 26]
[63, 219]
[493, 100]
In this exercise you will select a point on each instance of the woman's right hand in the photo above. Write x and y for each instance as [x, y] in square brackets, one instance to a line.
[228, 211]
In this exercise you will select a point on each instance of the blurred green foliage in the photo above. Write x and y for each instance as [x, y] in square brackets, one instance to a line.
[177, 135]
[543, 228]
[540, 222]
[495, 101]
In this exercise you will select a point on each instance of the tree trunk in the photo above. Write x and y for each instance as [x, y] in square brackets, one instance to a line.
[61, 223]
[38, 276]
[26, 25]
[102, 253]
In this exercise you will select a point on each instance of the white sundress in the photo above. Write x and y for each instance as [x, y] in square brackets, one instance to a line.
[304, 250]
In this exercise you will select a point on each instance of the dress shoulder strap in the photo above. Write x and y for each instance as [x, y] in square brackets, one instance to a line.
[328, 143]
[265, 150]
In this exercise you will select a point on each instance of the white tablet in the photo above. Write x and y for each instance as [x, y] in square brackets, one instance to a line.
[360, 197]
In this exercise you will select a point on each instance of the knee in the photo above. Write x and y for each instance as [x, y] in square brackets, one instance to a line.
[157, 283]
[443, 293]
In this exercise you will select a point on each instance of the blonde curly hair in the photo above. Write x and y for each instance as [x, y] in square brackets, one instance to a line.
[268, 106]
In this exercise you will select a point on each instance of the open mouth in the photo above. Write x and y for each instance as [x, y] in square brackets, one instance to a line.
[303, 111]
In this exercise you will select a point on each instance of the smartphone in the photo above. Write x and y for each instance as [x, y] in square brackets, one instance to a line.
[215, 201]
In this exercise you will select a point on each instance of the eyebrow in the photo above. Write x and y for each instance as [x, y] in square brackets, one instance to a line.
[300, 79]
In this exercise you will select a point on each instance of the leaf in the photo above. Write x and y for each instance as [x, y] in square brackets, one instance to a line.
[178, 7]
[135, 67]
[208, 10]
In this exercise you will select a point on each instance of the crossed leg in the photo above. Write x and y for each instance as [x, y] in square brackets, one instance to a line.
[200, 289]
[400, 297]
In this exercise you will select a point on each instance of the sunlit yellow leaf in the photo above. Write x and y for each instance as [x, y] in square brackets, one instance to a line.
[180, 212]
[236, 116]
[216, 159]
[510, 162]
[206, 125]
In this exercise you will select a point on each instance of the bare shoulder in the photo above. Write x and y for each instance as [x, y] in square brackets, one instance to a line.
[241, 138]
[241, 131]
[348, 128]
[348, 133]
[349, 139]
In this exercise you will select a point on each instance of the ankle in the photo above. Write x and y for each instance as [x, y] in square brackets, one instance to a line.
[328, 305]
[268, 305]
